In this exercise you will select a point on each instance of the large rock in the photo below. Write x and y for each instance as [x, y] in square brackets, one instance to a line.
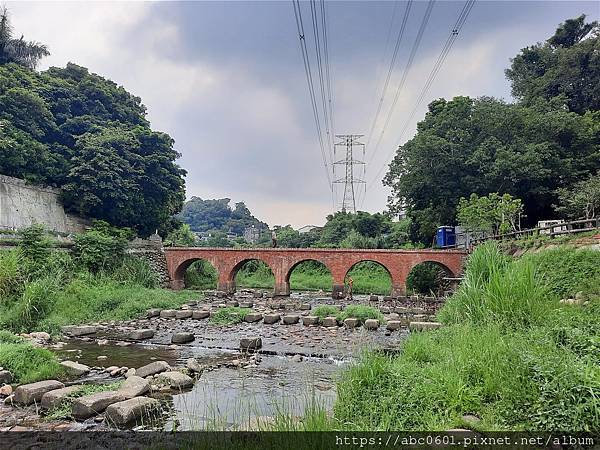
[246, 304]
[138, 335]
[291, 319]
[330, 321]
[351, 322]
[27, 394]
[183, 314]
[422, 326]
[168, 313]
[182, 337]
[154, 312]
[54, 398]
[134, 386]
[128, 411]
[202, 314]
[152, 369]
[310, 320]
[176, 380]
[93, 404]
[393, 325]
[194, 365]
[373, 298]
[270, 319]
[250, 343]
[80, 330]
[253, 317]
[74, 368]
[371, 324]
[305, 307]
[5, 377]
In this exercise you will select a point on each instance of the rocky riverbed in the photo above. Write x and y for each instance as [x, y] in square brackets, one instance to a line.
[200, 377]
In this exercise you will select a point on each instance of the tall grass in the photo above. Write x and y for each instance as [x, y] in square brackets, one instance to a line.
[498, 290]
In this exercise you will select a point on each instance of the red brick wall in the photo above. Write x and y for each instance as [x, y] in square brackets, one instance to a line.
[399, 263]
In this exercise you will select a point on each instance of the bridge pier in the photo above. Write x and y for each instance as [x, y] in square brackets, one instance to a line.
[398, 290]
[338, 291]
[282, 289]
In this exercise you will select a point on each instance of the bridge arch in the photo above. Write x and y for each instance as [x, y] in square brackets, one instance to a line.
[427, 277]
[363, 286]
[234, 270]
[287, 283]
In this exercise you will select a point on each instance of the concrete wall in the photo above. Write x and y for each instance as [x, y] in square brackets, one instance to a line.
[22, 205]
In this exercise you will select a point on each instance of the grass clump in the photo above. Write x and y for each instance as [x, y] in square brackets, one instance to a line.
[25, 362]
[323, 311]
[63, 410]
[360, 312]
[229, 316]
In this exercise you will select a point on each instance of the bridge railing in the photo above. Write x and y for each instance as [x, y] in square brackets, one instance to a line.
[572, 227]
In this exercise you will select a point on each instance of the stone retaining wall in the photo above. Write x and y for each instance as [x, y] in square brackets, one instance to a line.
[151, 251]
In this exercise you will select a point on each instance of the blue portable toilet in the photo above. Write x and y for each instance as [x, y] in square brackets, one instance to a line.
[446, 237]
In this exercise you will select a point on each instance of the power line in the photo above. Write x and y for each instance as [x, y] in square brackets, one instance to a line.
[407, 68]
[468, 6]
[311, 88]
[391, 67]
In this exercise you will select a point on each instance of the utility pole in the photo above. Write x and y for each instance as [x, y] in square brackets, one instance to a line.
[350, 142]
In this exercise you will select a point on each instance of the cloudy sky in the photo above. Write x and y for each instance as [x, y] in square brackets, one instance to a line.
[226, 80]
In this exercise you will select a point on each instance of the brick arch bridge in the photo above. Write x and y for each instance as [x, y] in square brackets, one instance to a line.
[282, 261]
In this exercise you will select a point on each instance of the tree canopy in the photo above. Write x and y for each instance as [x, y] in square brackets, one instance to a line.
[218, 215]
[530, 149]
[69, 128]
[19, 51]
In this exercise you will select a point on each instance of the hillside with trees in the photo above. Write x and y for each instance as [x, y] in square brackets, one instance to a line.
[532, 149]
[72, 129]
[218, 215]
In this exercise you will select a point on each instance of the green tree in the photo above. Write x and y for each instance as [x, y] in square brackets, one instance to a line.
[181, 237]
[565, 68]
[492, 213]
[19, 51]
[583, 199]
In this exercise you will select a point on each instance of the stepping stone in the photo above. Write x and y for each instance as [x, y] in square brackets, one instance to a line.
[167, 313]
[371, 324]
[246, 304]
[74, 368]
[176, 380]
[250, 343]
[258, 295]
[152, 369]
[385, 309]
[155, 312]
[27, 394]
[54, 398]
[388, 298]
[422, 326]
[270, 319]
[291, 319]
[330, 322]
[81, 330]
[305, 307]
[183, 314]
[374, 298]
[351, 322]
[233, 304]
[202, 314]
[91, 405]
[310, 320]
[394, 325]
[5, 377]
[194, 365]
[134, 386]
[182, 337]
[253, 317]
[128, 411]
[138, 335]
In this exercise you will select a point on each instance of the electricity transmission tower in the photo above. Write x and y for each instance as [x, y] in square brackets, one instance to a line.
[350, 141]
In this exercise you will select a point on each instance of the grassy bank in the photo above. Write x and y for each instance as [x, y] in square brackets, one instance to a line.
[27, 363]
[510, 353]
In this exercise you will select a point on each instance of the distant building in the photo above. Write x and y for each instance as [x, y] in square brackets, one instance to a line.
[251, 234]
[231, 236]
[203, 236]
[307, 228]
[547, 223]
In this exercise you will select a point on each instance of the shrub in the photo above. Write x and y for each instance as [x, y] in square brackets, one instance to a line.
[133, 270]
[35, 247]
[425, 278]
[229, 315]
[11, 275]
[100, 248]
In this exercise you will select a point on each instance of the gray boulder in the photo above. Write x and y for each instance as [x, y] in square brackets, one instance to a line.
[128, 411]
[176, 380]
[168, 313]
[394, 325]
[5, 377]
[291, 319]
[93, 404]
[134, 386]
[202, 314]
[194, 365]
[138, 335]
[270, 319]
[183, 314]
[351, 322]
[182, 337]
[27, 394]
[80, 330]
[154, 312]
[371, 324]
[54, 398]
[253, 317]
[250, 343]
[152, 369]
[310, 320]
[74, 368]
[330, 322]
